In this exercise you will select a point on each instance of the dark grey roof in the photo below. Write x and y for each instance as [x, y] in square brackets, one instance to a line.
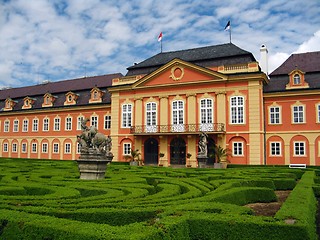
[60, 86]
[278, 83]
[80, 86]
[216, 55]
[307, 62]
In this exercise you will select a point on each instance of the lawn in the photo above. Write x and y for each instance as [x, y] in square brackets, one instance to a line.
[46, 200]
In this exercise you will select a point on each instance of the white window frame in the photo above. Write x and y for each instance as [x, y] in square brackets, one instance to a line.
[177, 113]
[126, 148]
[79, 121]
[238, 149]
[35, 125]
[34, 147]
[15, 125]
[126, 113]
[107, 122]
[25, 125]
[318, 113]
[56, 125]
[6, 126]
[14, 147]
[45, 126]
[68, 124]
[275, 149]
[44, 148]
[94, 121]
[206, 114]
[274, 115]
[55, 148]
[299, 149]
[78, 148]
[298, 112]
[237, 110]
[151, 117]
[5, 147]
[23, 147]
[67, 148]
[296, 79]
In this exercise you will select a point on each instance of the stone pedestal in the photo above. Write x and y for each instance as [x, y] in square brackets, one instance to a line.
[93, 166]
[202, 161]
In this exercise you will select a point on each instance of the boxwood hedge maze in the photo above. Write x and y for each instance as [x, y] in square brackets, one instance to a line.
[46, 200]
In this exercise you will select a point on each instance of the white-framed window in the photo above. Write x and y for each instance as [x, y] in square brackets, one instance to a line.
[68, 123]
[178, 116]
[275, 148]
[79, 121]
[206, 114]
[5, 147]
[299, 149]
[45, 124]
[44, 147]
[14, 147]
[56, 124]
[34, 147]
[25, 125]
[67, 148]
[296, 79]
[16, 125]
[126, 148]
[237, 149]
[274, 115]
[24, 148]
[318, 112]
[56, 148]
[298, 114]
[151, 117]
[35, 125]
[78, 148]
[6, 126]
[107, 122]
[94, 121]
[237, 109]
[126, 115]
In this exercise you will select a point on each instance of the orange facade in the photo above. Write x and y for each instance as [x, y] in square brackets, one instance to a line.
[162, 113]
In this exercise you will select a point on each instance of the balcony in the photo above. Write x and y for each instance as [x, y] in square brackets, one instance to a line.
[178, 129]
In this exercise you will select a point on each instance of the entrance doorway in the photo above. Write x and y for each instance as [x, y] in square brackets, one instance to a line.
[177, 151]
[211, 153]
[151, 151]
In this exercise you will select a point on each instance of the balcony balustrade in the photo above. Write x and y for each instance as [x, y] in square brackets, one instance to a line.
[178, 128]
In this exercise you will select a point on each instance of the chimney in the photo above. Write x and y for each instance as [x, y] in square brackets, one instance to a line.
[264, 59]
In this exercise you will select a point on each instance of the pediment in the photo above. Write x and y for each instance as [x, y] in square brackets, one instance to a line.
[178, 72]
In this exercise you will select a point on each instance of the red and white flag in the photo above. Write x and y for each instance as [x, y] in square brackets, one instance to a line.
[160, 37]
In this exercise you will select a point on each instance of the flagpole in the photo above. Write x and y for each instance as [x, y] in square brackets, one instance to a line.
[230, 33]
[161, 46]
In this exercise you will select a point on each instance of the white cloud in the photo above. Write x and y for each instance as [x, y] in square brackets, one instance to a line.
[64, 39]
[312, 44]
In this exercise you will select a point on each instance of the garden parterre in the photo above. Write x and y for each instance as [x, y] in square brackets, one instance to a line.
[46, 200]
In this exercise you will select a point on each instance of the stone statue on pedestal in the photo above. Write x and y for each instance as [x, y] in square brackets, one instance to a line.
[95, 152]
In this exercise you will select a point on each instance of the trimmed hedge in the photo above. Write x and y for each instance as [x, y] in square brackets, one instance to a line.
[46, 200]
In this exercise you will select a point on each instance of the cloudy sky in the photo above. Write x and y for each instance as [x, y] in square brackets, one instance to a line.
[65, 39]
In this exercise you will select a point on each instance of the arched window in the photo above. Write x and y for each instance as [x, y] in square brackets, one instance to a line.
[296, 79]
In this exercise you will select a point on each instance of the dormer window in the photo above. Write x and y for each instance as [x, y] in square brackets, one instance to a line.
[96, 95]
[28, 102]
[48, 100]
[71, 98]
[296, 79]
[9, 104]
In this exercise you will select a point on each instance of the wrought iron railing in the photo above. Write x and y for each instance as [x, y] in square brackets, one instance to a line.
[178, 128]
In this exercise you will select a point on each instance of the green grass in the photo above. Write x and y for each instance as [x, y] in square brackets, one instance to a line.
[47, 200]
